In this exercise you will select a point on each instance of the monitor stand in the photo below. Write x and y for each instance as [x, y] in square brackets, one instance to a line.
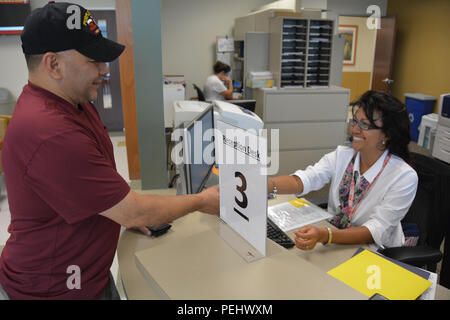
[213, 180]
[241, 246]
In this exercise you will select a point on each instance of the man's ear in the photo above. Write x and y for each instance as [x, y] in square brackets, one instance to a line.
[51, 62]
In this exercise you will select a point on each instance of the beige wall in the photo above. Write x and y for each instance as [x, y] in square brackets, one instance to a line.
[189, 29]
[13, 70]
[357, 78]
[365, 46]
[422, 63]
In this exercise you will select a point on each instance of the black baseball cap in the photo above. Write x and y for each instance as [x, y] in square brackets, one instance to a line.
[63, 26]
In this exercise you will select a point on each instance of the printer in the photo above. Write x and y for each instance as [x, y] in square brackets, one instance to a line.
[441, 149]
[186, 111]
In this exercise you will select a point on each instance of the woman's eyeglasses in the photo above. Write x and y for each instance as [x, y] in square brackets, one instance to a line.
[363, 125]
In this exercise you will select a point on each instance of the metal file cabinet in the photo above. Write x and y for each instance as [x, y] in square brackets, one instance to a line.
[311, 123]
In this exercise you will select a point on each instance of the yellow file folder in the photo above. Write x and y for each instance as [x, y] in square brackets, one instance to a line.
[369, 273]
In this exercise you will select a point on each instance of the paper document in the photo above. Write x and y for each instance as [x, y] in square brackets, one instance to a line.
[292, 87]
[260, 75]
[296, 214]
[225, 57]
[370, 273]
[225, 44]
[430, 294]
[292, 54]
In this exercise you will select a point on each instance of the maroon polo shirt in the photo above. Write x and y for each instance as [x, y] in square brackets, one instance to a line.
[60, 174]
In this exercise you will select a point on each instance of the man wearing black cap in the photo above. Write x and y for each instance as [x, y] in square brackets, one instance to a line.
[66, 199]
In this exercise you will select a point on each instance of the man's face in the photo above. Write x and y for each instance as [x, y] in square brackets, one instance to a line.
[81, 76]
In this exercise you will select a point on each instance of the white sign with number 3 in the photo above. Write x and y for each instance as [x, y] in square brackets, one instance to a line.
[241, 156]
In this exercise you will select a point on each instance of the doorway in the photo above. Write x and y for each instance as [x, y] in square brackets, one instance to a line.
[384, 54]
[109, 99]
[372, 57]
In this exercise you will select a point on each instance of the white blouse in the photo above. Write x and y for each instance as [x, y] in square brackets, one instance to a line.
[213, 87]
[385, 204]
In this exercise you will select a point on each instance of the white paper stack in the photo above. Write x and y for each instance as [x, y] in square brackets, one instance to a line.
[260, 75]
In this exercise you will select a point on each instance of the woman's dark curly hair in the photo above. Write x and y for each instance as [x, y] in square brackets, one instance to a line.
[396, 124]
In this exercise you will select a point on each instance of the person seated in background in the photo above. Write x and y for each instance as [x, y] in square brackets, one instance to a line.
[372, 184]
[219, 86]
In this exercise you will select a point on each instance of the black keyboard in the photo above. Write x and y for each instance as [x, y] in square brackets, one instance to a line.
[274, 233]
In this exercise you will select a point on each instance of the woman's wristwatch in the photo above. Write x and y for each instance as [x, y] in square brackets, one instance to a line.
[274, 190]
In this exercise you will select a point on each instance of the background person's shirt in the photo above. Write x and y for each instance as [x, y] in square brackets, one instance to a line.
[60, 174]
[386, 203]
[213, 87]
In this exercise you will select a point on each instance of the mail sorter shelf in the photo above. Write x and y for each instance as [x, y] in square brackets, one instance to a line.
[319, 53]
[293, 55]
[301, 52]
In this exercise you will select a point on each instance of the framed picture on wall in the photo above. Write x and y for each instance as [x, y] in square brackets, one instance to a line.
[350, 34]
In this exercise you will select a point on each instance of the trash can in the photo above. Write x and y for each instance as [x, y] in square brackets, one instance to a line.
[418, 105]
[7, 102]
[427, 129]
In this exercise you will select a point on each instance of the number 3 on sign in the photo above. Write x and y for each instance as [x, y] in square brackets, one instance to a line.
[242, 188]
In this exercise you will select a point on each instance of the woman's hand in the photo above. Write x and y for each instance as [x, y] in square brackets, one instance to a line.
[307, 237]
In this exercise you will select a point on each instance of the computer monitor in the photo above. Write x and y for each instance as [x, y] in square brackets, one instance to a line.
[246, 104]
[199, 150]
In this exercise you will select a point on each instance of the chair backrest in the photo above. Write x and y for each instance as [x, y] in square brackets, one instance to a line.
[430, 200]
[422, 208]
[200, 95]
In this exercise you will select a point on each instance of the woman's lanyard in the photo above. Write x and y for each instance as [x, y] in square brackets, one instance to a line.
[351, 194]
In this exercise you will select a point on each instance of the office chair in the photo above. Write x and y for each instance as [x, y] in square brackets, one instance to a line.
[200, 95]
[426, 213]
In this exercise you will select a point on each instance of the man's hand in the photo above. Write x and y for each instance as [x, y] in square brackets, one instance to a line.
[210, 200]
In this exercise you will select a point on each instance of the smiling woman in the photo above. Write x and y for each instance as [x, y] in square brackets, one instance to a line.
[372, 184]
[368, 139]
[394, 118]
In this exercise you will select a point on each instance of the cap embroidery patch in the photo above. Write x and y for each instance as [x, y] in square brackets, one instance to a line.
[89, 22]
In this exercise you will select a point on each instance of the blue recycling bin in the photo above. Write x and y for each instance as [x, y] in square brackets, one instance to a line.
[418, 105]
